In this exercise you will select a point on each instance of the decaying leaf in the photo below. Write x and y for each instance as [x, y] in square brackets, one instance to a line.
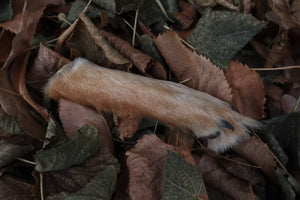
[9, 152]
[44, 66]
[75, 151]
[101, 186]
[12, 188]
[258, 153]
[219, 35]
[215, 176]
[144, 63]
[73, 116]
[182, 180]
[127, 126]
[6, 38]
[191, 69]
[187, 16]
[86, 41]
[247, 89]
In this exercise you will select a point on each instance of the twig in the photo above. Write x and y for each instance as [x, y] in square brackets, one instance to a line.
[41, 186]
[134, 26]
[27, 161]
[297, 104]
[163, 10]
[277, 68]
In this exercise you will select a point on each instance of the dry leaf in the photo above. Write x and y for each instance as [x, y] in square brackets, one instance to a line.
[46, 64]
[144, 63]
[215, 175]
[146, 163]
[73, 116]
[86, 41]
[288, 103]
[187, 16]
[6, 38]
[258, 153]
[247, 89]
[193, 70]
[13, 25]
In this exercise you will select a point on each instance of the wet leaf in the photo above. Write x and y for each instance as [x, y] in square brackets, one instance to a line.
[182, 180]
[5, 10]
[75, 151]
[9, 152]
[247, 90]
[191, 69]
[219, 35]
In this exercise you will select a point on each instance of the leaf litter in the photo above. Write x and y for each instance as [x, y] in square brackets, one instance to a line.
[85, 165]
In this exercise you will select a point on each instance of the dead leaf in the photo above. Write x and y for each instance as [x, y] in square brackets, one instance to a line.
[258, 153]
[288, 103]
[282, 10]
[6, 38]
[13, 104]
[146, 163]
[187, 16]
[46, 64]
[215, 175]
[73, 116]
[191, 69]
[13, 188]
[86, 41]
[13, 24]
[143, 62]
[247, 89]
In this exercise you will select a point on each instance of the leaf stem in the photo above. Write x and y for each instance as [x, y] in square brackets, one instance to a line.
[134, 26]
[297, 104]
[41, 186]
[277, 68]
[27, 161]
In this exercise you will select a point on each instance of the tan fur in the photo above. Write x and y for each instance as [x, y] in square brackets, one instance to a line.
[128, 94]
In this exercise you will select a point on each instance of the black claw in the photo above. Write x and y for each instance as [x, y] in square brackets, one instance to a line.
[213, 135]
[233, 108]
[226, 124]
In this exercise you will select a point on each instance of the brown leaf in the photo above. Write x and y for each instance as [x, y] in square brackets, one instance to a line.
[73, 116]
[259, 154]
[215, 175]
[144, 63]
[12, 188]
[282, 10]
[86, 41]
[31, 15]
[146, 163]
[193, 70]
[18, 71]
[45, 65]
[128, 126]
[247, 89]
[6, 38]
[13, 105]
[187, 16]
[278, 51]
[13, 25]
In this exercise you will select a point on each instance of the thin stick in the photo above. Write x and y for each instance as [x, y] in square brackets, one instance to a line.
[156, 123]
[129, 25]
[27, 161]
[134, 26]
[87, 5]
[10, 92]
[41, 186]
[277, 68]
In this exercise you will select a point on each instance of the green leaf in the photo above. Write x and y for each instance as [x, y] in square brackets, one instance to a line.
[77, 8]
[10, 125]
[9, 152]
[55, 134]
[182, 180]
[219, 35]
[101, 187]
[73, 152]
[6, 11]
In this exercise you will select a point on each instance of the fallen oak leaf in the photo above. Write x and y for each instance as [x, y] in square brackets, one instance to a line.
[247, 90]
[192, 70]
[144, 63]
